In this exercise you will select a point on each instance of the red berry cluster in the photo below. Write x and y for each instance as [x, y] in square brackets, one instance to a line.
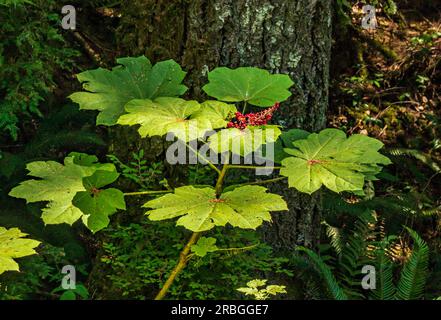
[252, 119]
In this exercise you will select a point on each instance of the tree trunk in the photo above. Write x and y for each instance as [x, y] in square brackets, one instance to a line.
[284, 36]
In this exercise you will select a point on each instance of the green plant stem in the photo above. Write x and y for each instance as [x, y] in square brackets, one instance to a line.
[241, 249]
[185, 253]
[251, 167]
[220, 180]
[138, 193]
[244, 107]
[231, 249]
[205, 158]
[261, 182]
[183, 259]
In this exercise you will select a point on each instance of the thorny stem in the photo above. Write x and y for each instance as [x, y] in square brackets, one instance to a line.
[183, 259]
[220, 180]
[242, 248]
[205, 158]
[185, 253]
[250, 247]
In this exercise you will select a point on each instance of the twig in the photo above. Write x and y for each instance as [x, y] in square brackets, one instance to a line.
[95, 56]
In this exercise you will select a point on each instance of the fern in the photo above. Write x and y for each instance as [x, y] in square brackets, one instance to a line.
[385, 288]
[336, 236]
[335, 204]
[357, 248]
[415, 271]
[312, 291]
[33, 51]
[354, 254]
[408, 204]
[314, 287]
[63, 130]
[333, 286]
[404, 204]
[419, 155]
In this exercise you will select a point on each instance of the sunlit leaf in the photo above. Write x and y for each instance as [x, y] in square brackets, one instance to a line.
[329, 158]
[187, 120]
[12, 245]
[253, 85]
[216, 112]
[244, 141]
[199, 209]
[285, 140]
[254, 288]
[98, 205]
[73, 190]
[204, 246]
[134, 78]
[58, 185]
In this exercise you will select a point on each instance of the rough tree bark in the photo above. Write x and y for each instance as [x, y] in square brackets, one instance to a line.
[283, 36]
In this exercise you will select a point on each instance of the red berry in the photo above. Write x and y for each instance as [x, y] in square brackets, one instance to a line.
[253, 119]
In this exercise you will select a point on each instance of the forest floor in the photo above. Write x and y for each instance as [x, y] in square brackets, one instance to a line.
[392, 92]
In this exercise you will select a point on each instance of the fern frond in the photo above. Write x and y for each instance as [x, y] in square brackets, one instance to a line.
[385, 288]
[419, 155]
[313, 291]
[355, 253]
[336, 236]
[410, 204]
[432, 211]
[333, 286]
[354, 250]
[415, 271]
[335, 204]
[314, 286]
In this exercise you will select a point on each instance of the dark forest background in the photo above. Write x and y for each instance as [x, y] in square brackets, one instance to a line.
[384, 83]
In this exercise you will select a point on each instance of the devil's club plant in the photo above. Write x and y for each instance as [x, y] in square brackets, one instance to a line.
[136, 93]
[14, 245]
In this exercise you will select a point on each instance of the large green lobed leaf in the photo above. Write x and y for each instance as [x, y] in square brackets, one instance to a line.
[252, 85]
[285, 140]
[73, 190]
[12, 245]
[330, 159]
[187, 120]
[98, 205]
[199, 209]
[134, 78]
[243, 142]
[59, 183]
